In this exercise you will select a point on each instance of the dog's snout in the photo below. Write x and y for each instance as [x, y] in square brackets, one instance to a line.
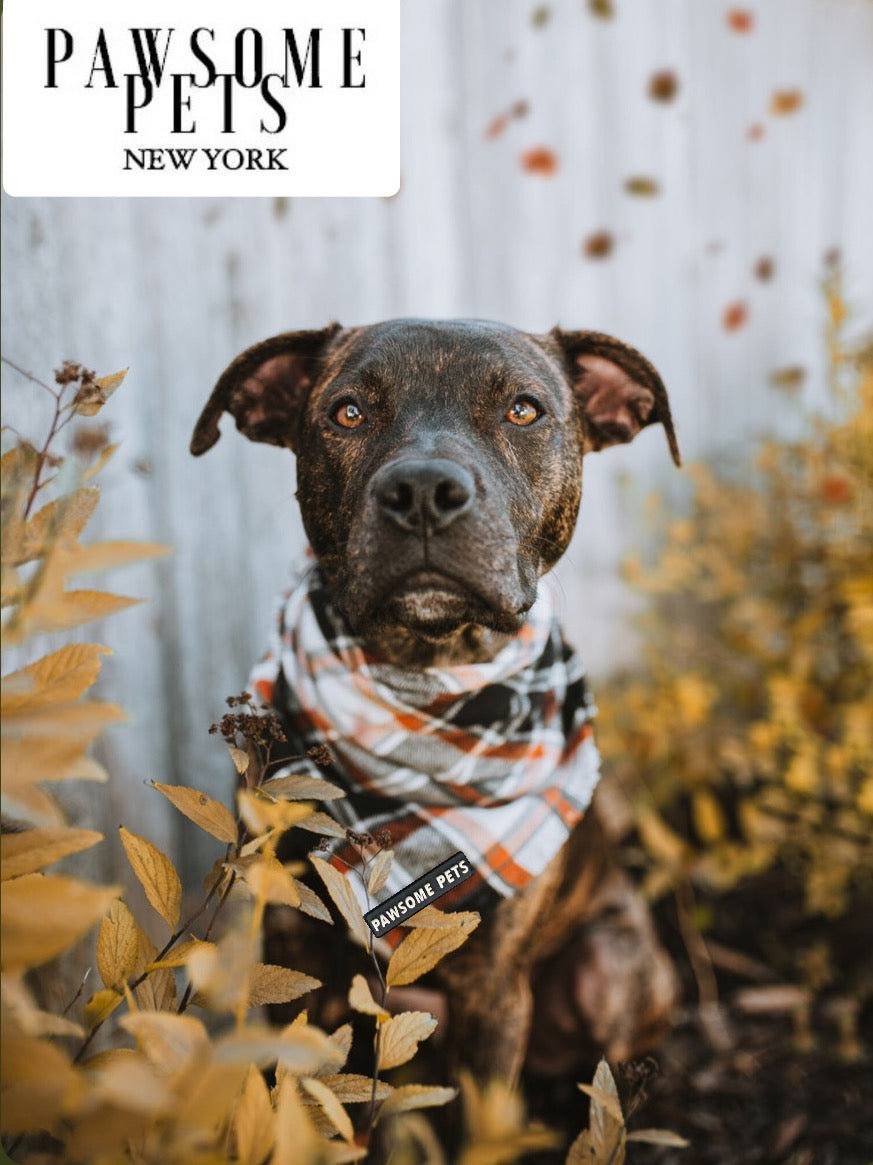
[424, 494]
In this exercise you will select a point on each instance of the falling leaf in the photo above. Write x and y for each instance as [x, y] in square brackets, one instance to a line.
[157, 875]
[117, 945]
[519, 109]
[604, 9]
[663, 85]
[338, 888]
[541, 16]
[539, 160]
[755, 132]
[400, 1036]
[423, 948]
[599, 245]
[34, 849]
[496, 127]
[642, 187]
[210, 815]
[412, 1096]
[764, 268]
[270, 984]
[791, 377]
[836, 489]
[740, 20]
[734, 316]
[785, 101]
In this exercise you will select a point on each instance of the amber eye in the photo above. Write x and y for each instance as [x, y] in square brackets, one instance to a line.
[349, 415]
[523, 412]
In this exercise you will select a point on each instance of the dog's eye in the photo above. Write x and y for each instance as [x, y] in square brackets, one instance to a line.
[523, 412]
[349, 415]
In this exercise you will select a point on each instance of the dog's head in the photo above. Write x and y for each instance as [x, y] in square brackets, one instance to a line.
[439, 463]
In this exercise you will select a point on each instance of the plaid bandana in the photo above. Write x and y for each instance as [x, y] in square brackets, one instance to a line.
[495, 759]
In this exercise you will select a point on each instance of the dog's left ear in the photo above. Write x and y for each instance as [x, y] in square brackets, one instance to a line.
[619, 391]
[265, 389]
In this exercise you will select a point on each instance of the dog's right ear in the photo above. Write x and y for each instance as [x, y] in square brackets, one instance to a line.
[265, 389]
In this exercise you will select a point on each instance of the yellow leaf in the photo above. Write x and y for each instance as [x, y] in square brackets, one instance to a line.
[411, 1096]
[708, 816]
[659, 1137]
[117, 945]
[268, 880]
[253, 1120]
[43, 915]
[261, 813]
[63, 612]
[157, 992]
[94, 398]
[180, 956]
[297, 1142]
[302, 1049]
[220, 974]
[379, 871]
[432, 918]
[298, 787]
[323, 824]
[33, 849]
[607, 1128]
[100, 1006]
[157, 876]
[98, 556]
[311, 904]
[108, 452]
[38, 1083]
[423, 948]
[59, 678]
[361, 999]
[20, 1010]
[352, 1088]
[270, 984]
[344, 899]
[209, 814]
[168, 1041]
[240, 759]
[64, 518]
[400, 1036]
[332, 1108]
[660, 840]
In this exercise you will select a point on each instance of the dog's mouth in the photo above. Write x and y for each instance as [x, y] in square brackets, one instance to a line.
[434, 605]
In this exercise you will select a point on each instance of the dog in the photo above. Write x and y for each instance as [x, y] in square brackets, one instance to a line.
[439, 471]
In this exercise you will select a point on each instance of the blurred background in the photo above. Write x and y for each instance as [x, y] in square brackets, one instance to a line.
[683, 174]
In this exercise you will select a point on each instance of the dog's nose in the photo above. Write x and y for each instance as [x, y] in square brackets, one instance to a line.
[424, 494]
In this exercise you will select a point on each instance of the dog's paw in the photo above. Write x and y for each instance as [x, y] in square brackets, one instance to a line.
[609, 991]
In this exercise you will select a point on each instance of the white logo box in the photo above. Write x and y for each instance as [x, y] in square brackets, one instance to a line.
[277, 97]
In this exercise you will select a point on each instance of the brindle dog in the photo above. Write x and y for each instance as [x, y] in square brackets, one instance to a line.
[439, 469]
